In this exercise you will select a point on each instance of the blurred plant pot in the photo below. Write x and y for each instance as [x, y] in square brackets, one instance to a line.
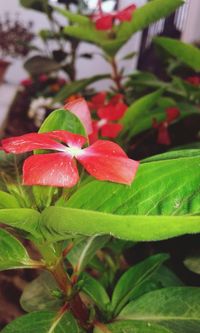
[3, 68]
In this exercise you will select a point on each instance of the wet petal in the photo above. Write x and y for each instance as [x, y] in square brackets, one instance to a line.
[72, 139]
[57, 169]
[105, 160]
[80, 108]
[111, 130]
[29, 142]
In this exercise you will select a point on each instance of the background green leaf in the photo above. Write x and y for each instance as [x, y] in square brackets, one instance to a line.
[38, 295]
[42, 322]
[188, 54]
[133, 279]
[77, 86]
[12, 253]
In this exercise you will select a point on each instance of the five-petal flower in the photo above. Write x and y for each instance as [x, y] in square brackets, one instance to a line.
[104, 160]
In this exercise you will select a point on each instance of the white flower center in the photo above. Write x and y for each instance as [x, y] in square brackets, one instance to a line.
[102, 122]
[75, 151]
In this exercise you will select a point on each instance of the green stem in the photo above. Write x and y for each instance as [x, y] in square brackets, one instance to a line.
[116, 75]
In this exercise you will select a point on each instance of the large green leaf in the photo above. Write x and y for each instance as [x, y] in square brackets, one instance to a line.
[188, 54]
[127, 326]
[12, 253]
[38, 295]
[162, 202]
[23, 219]
[133, 278]
[176, 309]
[77, 86]
[43, 322]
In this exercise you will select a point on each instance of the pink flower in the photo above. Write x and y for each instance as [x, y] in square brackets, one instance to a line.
[108, 113]
[194, 80]
[104, 160]
[105, 21]
[162, 127]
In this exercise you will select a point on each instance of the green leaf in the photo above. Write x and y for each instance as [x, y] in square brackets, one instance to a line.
[137, 109]
[39, 64]
[8, 201]
[39, 5]
[73, 17]
[166, 278]
[23, 219]
[87, 33]
[77, 86]
[62, 120]
[193, 263]
[175, 309]
[129, 56]
[188, 54]
[126, 326]
[162, 202]
[38, 295]
[96, 292]
[84, 251]
[43, 322]
[133, 278]
[12, 253]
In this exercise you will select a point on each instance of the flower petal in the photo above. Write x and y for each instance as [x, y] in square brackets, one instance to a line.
[105, 160]
[112, 112]
[93, 137]
[80, 108]
[29, 142]
[111, 130]
[56, 169]
[104, 22]
[116, 99]
[172, 114]
[98, 100]
[72, 139]
[126, 13]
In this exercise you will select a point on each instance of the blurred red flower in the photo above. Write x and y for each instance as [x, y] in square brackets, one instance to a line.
[105, 21]
[163, 134]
